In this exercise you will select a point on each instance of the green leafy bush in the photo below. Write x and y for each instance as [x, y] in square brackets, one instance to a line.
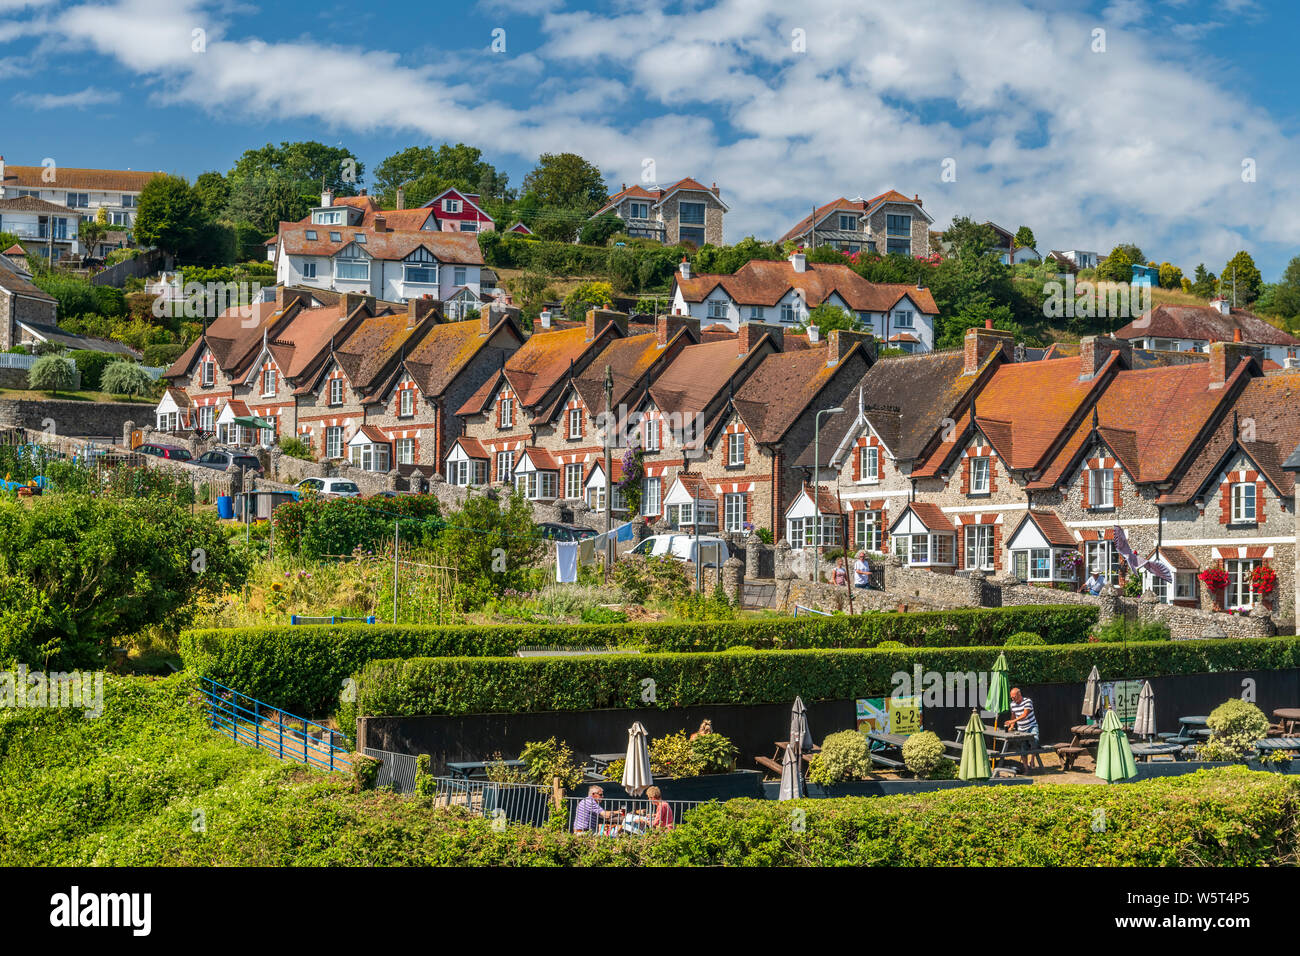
[714, 753]
[91, 365]
[673, 756]
[844, 756]
[301, 668]
[1024, 639]
[125, 378]
[922, 753]
[1236, 724]
[463, 685]
[641, 577]
[295, 447]
[51, 373]
[550, 758]
[1118, 630]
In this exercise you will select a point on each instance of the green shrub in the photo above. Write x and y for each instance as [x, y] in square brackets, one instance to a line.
[714, 753]
[945, 769]
[890, 646]
[603, 615]
[673, 756]
[461, 685]
[844, 756]
[1236, 724]
[922, 753]
[301, 668]
[550, 758]
[125, 378]
[426, 784]
[51, 373]
[365, 771]
[295, 447]
[1118, 630]
[1024, 639]
[641, 577]
[91, 365]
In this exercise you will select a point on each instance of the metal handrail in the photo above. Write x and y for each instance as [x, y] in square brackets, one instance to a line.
[247, 725]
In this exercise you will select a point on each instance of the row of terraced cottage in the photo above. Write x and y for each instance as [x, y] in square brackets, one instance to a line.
[951, 460]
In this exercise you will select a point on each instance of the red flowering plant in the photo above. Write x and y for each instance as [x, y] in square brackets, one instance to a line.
[1216, 579]
[1263, 580]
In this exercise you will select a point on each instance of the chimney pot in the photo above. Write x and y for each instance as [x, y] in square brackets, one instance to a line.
[1236, 335]
[545, 318]
[401, 198]
[988, 323]
[381, 223]
[685, 268]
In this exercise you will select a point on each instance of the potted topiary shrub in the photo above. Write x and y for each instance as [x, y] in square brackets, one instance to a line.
[1236, 724]
[844, 757]
[923, 755]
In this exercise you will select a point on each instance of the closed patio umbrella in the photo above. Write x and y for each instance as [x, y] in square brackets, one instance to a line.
[1144, 722]
[1092, 693]
[792, 787]
[1114, 755]
[999, 698]
[636, 765]
[974, 754]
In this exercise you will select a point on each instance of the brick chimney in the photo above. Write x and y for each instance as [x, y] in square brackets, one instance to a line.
[350, 301]
[381, 222]
[1094, 350]
[597, 319]
[839, 341]
[285, 297]
[1226, 356]
[401, 198]
[418, 308]
[1236, 335]
[751, 332]
[715, 189]
[666, 327]
[981, 343]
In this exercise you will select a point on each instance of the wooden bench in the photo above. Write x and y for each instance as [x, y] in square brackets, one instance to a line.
[1068, 754]
[767, 763]
[889, 762]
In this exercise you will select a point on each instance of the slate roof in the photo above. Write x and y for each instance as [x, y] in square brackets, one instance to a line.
[13, 282]
[32, 204]
[841, 204]
[784, 385]
[699, 374]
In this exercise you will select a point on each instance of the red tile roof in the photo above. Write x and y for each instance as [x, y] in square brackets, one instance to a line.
[66, 177]
[457, 247]
[445, 351]
[931, 516]
[696, 486]
[473, 447]
[1205, 323]
[1052, 528]
[765, 282]
[786, 385]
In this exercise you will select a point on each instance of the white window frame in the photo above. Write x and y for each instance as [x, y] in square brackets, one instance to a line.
[1238, 595]
[638, 210]
[406, 402]
[334, 441]
[507, 412]
[650, 434]
[1101, 488]
[575, 424]
[309, 270]
[651, 496]
[505, 465]
[735, 449]
[412, 271]
[869, 530]
[1101, 553]
[869, 464]
[268, 382]
[573, 481]
[451, 205]
[979, 546]
[1245, 503]
[979, 475]
[209, 372]
[371, 456]
[405, 451]
[336, 391]
[735, 511]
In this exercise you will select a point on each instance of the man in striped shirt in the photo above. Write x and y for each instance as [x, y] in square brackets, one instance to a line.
[1025, 721]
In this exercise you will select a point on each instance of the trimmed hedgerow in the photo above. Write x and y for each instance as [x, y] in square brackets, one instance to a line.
[302, 668]
[464, 685]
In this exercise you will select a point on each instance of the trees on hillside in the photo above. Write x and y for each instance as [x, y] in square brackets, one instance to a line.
[169, 215]
[423, 172]
[1024, 238]
[1240, 280]
[566, 181]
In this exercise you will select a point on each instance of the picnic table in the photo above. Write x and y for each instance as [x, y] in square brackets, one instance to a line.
[1143, 749]
[1188, 725]
[1278, 743]
[887, 749]
[774, 762]
[600, 762]
[1010, 744]
[471, 769]
[1289, 718]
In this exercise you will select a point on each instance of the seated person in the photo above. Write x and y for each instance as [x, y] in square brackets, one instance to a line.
[661, 817]
[1024, 721]
[590, 814]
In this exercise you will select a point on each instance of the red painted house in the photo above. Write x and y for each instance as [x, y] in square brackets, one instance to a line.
[460, 212]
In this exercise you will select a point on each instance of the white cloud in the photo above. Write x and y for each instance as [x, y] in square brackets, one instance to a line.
[1141, 143]
[81, 99]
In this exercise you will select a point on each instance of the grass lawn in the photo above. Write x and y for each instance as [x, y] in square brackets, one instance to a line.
[28, 393]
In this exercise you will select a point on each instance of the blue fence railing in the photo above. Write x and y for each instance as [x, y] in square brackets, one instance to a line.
[249, 721]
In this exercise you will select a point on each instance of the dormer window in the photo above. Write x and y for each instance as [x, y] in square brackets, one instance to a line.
[208, 373]
[451, 205]
[351, 263]
[870, 463]
[1101, 493]
[327, 217]
[268, 381]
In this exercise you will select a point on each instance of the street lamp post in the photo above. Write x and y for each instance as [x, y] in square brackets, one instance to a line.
[817, 477]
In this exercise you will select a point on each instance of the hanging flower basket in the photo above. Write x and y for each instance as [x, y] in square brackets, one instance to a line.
[1263, 580]
[1216, 579]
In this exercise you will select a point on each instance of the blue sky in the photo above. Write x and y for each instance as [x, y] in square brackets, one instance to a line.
[781, 104]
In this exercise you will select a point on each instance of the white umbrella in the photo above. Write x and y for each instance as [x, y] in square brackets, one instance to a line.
[636, 765]
[1092, 694]
[1144, 724]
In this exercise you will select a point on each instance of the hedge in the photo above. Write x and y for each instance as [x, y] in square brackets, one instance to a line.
[464, 685]
[301, 668]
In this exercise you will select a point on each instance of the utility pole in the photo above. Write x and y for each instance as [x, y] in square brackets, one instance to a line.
[817, 472]
[609, 471]
[395, 526]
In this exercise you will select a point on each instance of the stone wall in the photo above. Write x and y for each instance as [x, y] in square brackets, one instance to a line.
[81, 419]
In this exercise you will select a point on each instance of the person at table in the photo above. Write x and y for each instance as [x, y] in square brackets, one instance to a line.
[590, 813]
[1024, 721]
[661, 815]
[1095, 583]
[862, 571]
[839, 577]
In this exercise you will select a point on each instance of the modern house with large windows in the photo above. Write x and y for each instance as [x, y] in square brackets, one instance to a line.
[890, 223]
[82, 191]
[686, 211]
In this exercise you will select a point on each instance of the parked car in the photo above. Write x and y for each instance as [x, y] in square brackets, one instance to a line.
[219, 459]
[684, 547]
[172, 452]
[329, 487]
[553, 531]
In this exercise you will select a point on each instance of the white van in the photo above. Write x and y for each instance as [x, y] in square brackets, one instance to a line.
[713, 551]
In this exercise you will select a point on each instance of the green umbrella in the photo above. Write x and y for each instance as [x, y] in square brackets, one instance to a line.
[999, 699]
[1114, 755]
[974, 755]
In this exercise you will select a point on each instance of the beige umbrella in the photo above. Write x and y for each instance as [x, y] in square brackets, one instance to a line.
[636, 765]
[1092, 694]
[1144, 723]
